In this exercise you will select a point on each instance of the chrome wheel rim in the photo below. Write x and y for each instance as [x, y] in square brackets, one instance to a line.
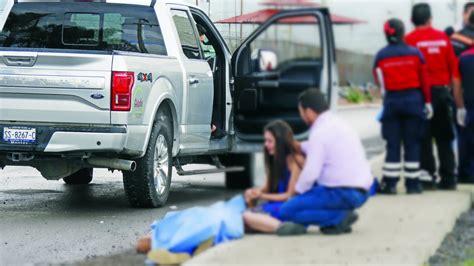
[161, 161]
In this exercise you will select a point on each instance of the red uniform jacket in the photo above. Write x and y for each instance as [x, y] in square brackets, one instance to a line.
[439, 54]
[402, 67]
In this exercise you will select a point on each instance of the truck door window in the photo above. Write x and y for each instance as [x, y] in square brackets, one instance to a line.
[187, 34]
[291, 42]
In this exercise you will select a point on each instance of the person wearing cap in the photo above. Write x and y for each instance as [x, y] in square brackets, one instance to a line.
[441, 63]
[463, 41]
[400, 70]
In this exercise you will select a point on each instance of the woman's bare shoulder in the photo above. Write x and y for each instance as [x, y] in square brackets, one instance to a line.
[296, 160]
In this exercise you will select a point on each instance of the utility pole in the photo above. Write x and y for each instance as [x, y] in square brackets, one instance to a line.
[209, 8]
[241, 24]
[455, 10]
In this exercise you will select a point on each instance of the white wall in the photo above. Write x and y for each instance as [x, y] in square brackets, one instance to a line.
[363, 38]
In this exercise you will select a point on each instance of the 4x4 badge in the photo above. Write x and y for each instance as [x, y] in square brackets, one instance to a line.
[144, 77]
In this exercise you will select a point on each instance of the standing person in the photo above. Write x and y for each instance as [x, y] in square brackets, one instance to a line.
[463, 41]
[442, 72]
[466, 67]
[402, 72]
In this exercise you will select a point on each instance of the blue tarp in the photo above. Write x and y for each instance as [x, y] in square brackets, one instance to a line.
[184, 231]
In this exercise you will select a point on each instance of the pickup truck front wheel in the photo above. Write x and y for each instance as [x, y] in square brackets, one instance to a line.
[81, 177]
[149, 184]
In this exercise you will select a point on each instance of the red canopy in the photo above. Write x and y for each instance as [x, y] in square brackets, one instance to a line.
[300, 3]
[261, 16]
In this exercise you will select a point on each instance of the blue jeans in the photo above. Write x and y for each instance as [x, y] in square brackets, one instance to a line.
[322, 206]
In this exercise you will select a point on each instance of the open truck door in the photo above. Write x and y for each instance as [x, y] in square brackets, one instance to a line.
[290, 53]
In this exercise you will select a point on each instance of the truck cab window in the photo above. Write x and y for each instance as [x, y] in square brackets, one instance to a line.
[81, 29]
[109, 27]
[187, 34]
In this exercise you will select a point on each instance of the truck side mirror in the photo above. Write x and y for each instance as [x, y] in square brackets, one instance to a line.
[268, 60]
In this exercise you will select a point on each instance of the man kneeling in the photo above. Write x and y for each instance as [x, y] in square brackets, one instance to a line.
[335, 179]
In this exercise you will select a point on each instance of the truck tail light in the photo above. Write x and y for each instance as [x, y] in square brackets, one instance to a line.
[122, 84]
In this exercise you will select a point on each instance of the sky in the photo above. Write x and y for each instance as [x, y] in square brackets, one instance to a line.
[365, 38]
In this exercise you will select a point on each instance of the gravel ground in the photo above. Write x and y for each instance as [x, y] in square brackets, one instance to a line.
[458, 246]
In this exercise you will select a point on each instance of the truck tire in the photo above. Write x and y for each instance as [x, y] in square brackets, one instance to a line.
[149, 185]
[240, 180]
[81, 177]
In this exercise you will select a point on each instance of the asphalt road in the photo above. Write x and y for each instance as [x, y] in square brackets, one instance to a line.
[44, 222]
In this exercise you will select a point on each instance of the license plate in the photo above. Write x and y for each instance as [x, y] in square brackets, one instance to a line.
[19, 135]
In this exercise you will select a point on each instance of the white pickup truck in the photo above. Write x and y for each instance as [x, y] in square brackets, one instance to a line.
[137, 86]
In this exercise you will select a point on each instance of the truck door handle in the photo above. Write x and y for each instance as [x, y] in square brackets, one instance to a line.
[193, 81]
[19, 60]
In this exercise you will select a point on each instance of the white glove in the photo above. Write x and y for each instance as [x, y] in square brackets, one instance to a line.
[429, 111]
[461, 116]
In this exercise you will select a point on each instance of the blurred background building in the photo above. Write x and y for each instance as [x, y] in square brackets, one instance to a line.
[356, 43]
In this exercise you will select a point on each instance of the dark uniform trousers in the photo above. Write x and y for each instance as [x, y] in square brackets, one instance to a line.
[441, 130]
[466, 163]
[469, 139]
[402, 124]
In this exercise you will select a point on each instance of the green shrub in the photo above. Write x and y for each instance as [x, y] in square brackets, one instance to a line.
[355, 96]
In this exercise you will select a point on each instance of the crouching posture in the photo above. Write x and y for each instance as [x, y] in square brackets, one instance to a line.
[334, 181]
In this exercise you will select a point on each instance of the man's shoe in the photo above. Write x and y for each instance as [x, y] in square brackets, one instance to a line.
[343, 228]
[387, 190]
[291, 229]
[413, 186]
[428, 185]
[449, 186]
[414, 191]
[218, 134]
[468, 180]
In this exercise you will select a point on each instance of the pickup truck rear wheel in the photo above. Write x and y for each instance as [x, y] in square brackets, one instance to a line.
[240, 180]
[81, 177]
[149, 184]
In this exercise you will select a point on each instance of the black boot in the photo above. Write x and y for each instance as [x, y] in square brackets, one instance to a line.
[466, 179]
[413, 186]
[447, 184]
[428, 185]
[388, 186]
[428, 181]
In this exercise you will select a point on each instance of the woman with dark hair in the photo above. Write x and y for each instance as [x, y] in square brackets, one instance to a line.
[283, 166]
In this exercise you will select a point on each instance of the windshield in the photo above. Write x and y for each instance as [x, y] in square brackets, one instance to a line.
[84, 26]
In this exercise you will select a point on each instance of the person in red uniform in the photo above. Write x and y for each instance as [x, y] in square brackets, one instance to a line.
[442, 69]
[400, 70]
